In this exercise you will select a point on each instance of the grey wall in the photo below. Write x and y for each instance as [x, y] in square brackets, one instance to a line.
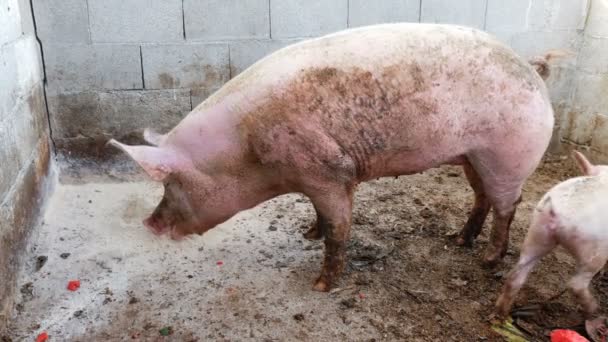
[116, 66]
[24, 141]
[585, 122]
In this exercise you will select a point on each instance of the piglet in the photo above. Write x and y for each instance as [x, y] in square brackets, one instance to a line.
[574, 215]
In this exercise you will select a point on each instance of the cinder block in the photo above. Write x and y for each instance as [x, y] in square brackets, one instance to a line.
[185, 66]
[20, 70]
[556, 15]
[30, 118]
[508, 16]
[10, 19]
[27, 21]
[198, 95]
[593, 56]
[90, 67]
[307, 18]
[226, 19]
[589, 100]
[560, 82]
[463, 12]
[580, 127]
[597, 23]
[599, 139]
[19, 135]
[62, 21]
[590, 92]
[555, 144]
[19, 212]
[529, 44]
[136, 20]
[9, 154]
[8, 81]
[118, 113]
[568, 14]
[530, 15]
[562, 113]
[365, 12]
[244, 53]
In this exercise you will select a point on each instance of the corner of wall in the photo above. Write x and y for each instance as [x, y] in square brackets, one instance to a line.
[26, 144]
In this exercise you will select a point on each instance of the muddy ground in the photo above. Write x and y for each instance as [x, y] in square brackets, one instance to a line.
[251, 278]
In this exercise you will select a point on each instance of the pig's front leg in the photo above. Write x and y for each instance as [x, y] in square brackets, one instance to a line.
[317, 231]
[334, 208]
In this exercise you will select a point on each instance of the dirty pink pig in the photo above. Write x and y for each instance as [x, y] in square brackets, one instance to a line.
[574, 215]
[321, 116]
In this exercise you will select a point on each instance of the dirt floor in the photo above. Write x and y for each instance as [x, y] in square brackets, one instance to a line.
[251, 278]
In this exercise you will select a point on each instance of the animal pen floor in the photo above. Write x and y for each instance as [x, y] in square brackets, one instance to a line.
[251, 278]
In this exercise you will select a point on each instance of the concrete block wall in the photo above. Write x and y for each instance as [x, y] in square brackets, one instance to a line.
[586, 121]
[115, 66]
[24, 141]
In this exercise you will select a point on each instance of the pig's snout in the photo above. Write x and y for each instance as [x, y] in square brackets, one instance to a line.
[155, 226]
[175, 235]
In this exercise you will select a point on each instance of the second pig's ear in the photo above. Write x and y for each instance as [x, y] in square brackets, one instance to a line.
[157, 162]
[585, 165]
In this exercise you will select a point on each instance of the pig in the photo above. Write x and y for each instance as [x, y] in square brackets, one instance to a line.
[573, 214]
[321, 116]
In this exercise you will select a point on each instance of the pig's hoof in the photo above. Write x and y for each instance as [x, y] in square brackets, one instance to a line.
[463, 242]
[491, 260]
[321, 286]
[501, 309]
[590, 309]
[313, 233]
[498, 315]
[494, 256]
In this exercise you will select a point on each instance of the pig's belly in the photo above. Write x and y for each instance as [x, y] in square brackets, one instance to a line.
[411, 163]
[408, 161]
[406, 142]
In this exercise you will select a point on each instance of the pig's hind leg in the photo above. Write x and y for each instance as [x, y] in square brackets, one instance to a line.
[539, 241]
[502, 184]
[480, 210]
[590, 260]
[504, 213]
[317, 231]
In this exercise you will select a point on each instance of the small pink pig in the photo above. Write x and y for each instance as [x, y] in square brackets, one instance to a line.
[574, 215]
[322, 116]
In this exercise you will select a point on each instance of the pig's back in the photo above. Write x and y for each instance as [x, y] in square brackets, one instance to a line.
[460, 55]
[403, 96]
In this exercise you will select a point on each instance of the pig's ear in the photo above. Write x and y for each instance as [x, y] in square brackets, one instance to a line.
[153, 137]
[157, 162]
[586, 167]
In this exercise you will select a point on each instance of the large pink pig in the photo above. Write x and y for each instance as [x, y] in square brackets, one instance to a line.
[321, 116]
